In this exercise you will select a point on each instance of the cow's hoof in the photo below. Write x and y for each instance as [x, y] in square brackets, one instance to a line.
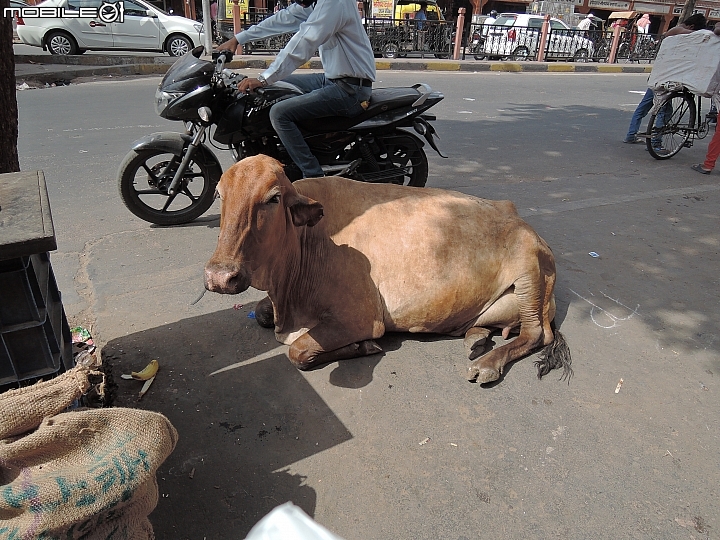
[482, 375]
[264, 313]
[474, 342]
[368, 347]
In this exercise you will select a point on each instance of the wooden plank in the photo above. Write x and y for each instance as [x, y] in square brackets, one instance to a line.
[26, 225]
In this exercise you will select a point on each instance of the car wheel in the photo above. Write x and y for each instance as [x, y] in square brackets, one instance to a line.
[61, 43]
[178, 45]
[581, 55]
[390, 50]
[521, 53]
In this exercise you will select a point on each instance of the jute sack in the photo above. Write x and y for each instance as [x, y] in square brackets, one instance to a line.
[83, 474]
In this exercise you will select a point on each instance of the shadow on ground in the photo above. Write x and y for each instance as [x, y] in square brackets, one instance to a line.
[238, 429]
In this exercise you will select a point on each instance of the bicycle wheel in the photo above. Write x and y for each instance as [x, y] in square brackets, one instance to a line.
[670, 128]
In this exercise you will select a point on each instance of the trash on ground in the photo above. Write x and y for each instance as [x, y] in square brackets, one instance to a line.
[237, 306]
[145, 387]
[251, 315]
[424, 441]
[464, 112]
[192, 474]
[148, 372]
[469, 98]
[23, 86]
[619, 384]
[593, 254]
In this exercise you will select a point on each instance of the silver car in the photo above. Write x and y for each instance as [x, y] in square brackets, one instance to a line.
[74, 26]
[517, 35]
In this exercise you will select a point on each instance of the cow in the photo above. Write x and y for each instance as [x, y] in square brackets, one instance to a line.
[344, 261]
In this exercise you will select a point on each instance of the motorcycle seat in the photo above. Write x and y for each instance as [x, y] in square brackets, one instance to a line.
[381, 100]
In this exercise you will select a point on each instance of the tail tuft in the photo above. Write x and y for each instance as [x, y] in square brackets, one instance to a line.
[554, 356]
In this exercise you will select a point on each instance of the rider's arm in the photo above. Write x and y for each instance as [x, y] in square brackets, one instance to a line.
[283, 22]
[325, 20]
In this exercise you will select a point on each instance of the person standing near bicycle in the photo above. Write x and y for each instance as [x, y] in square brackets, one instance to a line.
[690, 25]
[713, 152]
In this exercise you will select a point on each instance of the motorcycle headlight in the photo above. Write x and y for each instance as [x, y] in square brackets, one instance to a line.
[163, 99]
[198, 28]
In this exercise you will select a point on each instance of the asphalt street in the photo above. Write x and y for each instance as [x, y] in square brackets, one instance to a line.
[522, 458]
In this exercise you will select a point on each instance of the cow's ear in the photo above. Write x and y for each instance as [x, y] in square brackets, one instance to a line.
[305, 211]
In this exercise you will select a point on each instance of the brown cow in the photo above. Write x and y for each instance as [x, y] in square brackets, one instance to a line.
[343, 262]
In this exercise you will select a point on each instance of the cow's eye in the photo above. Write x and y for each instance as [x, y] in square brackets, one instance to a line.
[275, 199]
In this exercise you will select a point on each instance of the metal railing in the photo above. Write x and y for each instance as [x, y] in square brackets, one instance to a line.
[394, 38]
[640, 48]
[521, 43]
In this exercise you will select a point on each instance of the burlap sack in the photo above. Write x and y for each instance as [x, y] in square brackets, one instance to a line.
[83, 474]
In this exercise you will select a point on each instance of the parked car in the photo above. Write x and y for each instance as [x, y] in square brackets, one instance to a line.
[516, 36]
[144, 28]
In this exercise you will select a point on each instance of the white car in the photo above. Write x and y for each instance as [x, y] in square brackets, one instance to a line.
[122, 25]
[517, 35]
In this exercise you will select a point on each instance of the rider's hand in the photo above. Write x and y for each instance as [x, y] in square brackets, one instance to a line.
[249, 85]
[230, 45]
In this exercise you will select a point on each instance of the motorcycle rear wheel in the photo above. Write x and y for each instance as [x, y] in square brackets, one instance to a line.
[143, 183]
[401, 160]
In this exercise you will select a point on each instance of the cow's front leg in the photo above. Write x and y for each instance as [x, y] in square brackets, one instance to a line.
[323, 345]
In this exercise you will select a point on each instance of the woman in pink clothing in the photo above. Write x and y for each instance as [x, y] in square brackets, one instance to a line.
[643, 24]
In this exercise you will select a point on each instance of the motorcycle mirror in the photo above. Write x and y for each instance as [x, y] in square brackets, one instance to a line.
[228, 55]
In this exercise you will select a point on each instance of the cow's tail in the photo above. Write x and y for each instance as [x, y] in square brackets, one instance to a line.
[555, 356]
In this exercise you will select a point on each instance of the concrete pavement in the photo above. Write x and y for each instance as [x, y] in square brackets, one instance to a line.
[43, 68]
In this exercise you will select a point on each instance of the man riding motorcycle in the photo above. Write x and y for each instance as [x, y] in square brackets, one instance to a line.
[335, 29]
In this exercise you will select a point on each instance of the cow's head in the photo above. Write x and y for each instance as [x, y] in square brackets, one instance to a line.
[259, 214]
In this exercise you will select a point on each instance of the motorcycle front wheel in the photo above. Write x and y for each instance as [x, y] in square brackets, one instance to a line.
[145, 176]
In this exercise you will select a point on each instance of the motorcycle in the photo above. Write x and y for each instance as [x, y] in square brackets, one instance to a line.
[169, 178]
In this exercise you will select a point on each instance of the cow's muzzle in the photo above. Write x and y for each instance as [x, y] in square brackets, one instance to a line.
[225, 279]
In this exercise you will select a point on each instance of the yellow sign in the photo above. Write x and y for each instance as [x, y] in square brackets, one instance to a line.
[243, 4]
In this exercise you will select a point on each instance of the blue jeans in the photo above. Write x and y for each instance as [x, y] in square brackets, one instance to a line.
[641, 112]
[322, 98]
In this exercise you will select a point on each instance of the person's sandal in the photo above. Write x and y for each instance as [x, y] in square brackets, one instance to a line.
[698, 168]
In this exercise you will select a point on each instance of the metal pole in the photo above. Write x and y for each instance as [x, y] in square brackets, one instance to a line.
[614, 46]
[237, 25]
[459, 33]
[688, 9]
[543, 38]
[207, 26]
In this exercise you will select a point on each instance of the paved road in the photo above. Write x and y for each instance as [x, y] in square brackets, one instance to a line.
[520, 459]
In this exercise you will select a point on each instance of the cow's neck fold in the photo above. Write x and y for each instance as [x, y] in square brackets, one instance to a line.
[295, 279]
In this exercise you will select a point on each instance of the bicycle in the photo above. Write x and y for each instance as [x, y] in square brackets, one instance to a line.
[676, 124]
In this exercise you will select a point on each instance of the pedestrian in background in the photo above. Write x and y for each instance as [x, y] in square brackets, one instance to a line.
[586, 23]
[643, 24]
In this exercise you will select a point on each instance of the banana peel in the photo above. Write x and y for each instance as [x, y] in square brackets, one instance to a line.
[147, 373]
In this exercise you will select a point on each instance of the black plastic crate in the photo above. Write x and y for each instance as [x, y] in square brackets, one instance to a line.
[24, 290]
[35, 338]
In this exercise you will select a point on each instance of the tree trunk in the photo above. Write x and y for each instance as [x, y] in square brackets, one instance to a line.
[8, 100]
[686, 12]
